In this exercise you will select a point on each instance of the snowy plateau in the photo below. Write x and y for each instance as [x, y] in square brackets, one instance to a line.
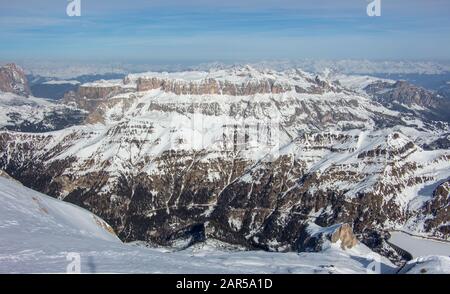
[236, 170]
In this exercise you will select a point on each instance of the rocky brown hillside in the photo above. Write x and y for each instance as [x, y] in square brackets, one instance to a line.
[13, 80]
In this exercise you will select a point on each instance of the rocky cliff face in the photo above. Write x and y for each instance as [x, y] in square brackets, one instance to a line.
[13, 80]
[257, 170]
[236, 82]
[438, 209]
[211, 86]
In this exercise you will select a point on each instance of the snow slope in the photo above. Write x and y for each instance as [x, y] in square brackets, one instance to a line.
[37, 233]
[428, 265]
[29, 108]
[22, 113]
[418, 246]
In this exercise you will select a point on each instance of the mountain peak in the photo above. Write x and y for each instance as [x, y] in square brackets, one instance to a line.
[13, 80]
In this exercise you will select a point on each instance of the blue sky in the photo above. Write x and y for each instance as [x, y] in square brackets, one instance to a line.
[231, 30]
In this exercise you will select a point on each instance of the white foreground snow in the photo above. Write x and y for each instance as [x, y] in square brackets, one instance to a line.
[38, 232]
[428, 265]
[418, 246]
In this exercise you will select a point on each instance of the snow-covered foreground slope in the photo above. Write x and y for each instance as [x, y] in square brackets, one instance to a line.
[427, 265]
[418, 246]
[38, 232]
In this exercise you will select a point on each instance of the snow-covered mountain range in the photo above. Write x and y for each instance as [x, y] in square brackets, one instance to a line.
[251, 157]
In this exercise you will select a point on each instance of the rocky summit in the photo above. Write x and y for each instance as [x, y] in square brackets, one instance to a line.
[13, 80]
[257, 158]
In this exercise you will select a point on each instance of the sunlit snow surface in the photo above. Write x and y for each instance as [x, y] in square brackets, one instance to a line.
[418, 246]
[428, 265]
[37, 233]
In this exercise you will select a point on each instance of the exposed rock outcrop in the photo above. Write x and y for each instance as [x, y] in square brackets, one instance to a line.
[317, 238]
[344, 235]
[13, 80]
[212, 87]
[438, 209]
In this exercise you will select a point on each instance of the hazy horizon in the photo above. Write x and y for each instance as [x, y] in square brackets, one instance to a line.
[203, 31]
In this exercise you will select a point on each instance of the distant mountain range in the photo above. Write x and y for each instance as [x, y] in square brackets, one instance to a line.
[44, 77]
[53, 88]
